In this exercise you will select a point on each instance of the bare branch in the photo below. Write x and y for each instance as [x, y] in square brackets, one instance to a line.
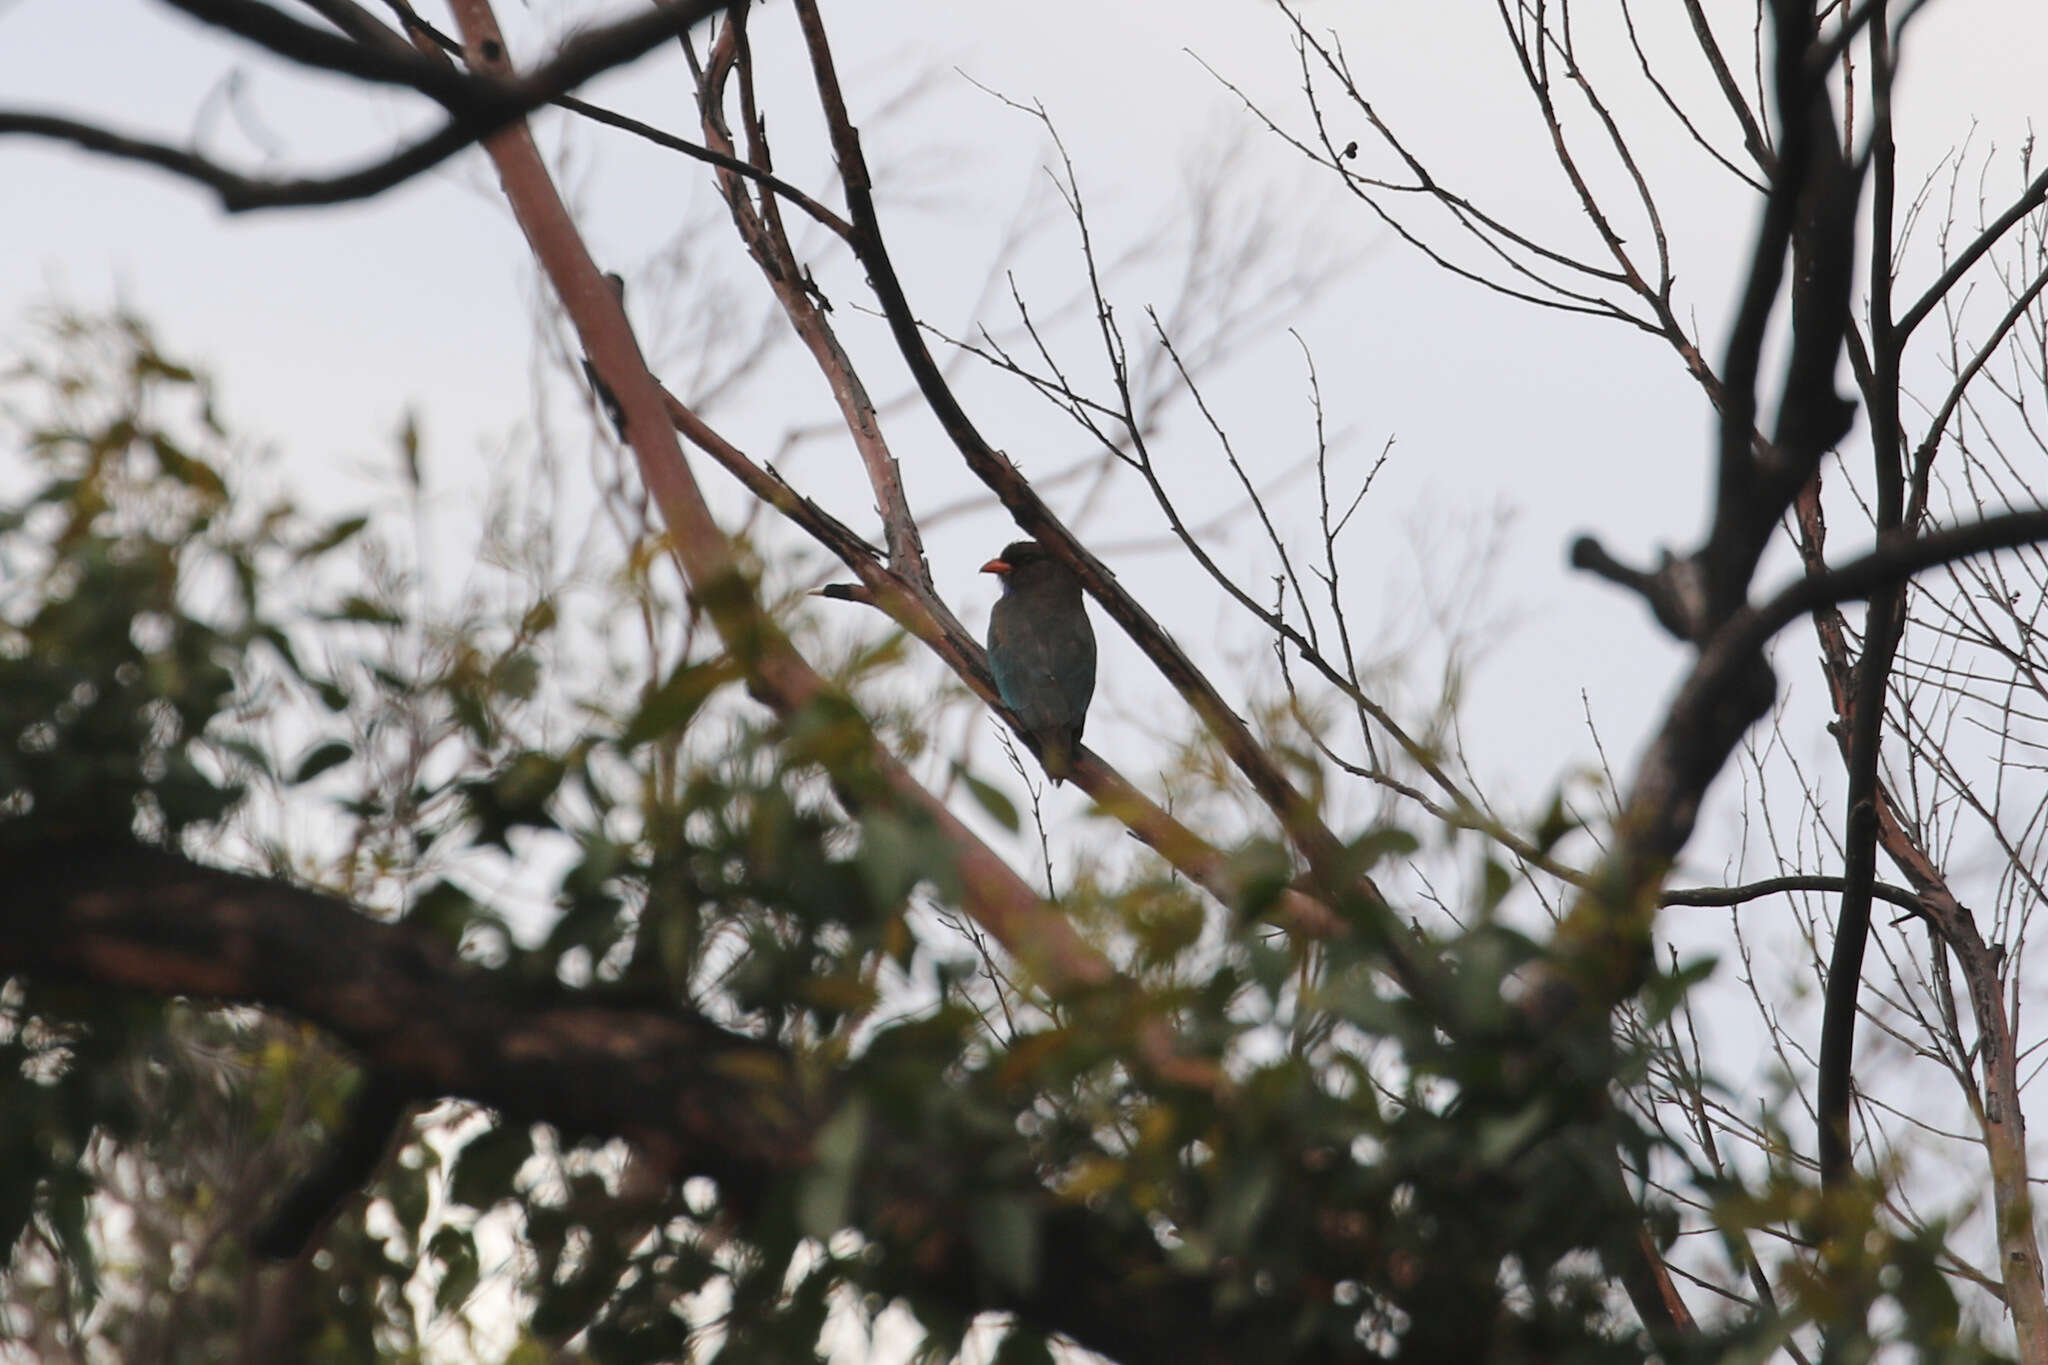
[479, 107]
[1035, 933]
[1302, 823]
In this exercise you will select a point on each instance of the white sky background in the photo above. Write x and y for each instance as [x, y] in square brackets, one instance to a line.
[325, 325]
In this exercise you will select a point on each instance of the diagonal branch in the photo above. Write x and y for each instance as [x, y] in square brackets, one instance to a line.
[1885, 624]
[478, 106]
[1037, 934]
[1297, 815]
[689, 1095]
[134, 918]
[761, 230]
[1188, 852]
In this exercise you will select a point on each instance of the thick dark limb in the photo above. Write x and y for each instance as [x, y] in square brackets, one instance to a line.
[1885, 624]
[479, 106]
[1809, 217]
[428, 1024]
[694, 1098]
[375, 1118]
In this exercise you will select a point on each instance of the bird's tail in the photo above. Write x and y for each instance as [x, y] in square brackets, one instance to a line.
[1056, 753]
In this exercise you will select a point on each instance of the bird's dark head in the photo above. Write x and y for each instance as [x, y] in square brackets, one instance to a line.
[1025, 564]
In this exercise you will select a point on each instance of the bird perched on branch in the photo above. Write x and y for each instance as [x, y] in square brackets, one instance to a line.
[1042, 651]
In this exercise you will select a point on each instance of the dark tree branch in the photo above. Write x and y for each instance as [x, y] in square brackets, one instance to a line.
[2030, 199]
[599, 114]
[430, 1025]
[1885, 624]
[376, 1117]
[1775, 886]
[363, 26]
[358, 23]
[691, 1096]
[1883, 568]
[1937, 427]
[1730, 685]
[1810, 216]
[1755, 137]
[479, 106]
[351, 55]
[1297, 816]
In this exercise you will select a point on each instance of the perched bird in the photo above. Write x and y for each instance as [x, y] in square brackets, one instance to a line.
[1042, 651]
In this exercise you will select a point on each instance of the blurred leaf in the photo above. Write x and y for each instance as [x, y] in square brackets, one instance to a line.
[332, 537]
[517, 675]
[194, 473]
[1004, 1231]
[488, 1164]
[1260, 870]
[455, 1249]
[1023, 1345]
[990, 798]
[409, 451]
[332, 754]
[1378, 844]
[826, 1191]
[443, 910]
[365, 612]
[670, 707]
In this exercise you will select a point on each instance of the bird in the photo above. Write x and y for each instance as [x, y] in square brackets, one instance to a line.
[1042, 651]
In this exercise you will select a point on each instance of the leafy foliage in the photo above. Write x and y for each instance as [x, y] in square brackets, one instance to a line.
[1333, 1166]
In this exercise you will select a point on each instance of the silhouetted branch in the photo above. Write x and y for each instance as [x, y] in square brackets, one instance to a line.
[2035, 194]
[429, 1025]
[691, 1097]
[1884, 623]
[376, 1115]
[1037, 934]
[1297, 816]
[479, 106]
[1778, 886]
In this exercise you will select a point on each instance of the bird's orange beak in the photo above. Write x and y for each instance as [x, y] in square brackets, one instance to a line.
[996, 566]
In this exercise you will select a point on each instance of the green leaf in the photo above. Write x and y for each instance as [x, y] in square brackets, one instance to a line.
[1023, 1345]
[517, 675]
[670, 707]
[488, 1164]
[1004, 1231]
[409, 450]
[455, 1249]
[538, 620]
[1496, 884]
[332, 754]
[365, 612]
[990, 798]
[898, 853]
[443, 910]
[194, 473]
[826, 1195]
[1247, 1194]
[1260, 870]
[1501, 1139]
[1663, 992]
[328, 539]
[1380, 843]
